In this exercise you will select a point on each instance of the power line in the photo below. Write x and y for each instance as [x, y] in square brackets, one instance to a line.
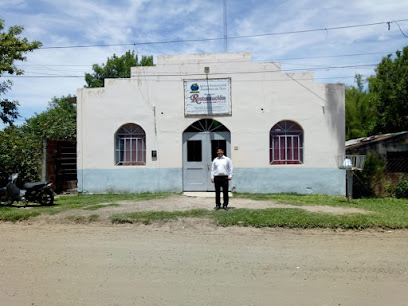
[400, 29]
[229, 37]
[304, 86]
[320, 29]
[54, 65]
[215, 73]
[217, 62]
[329, 56]
[262, 71]
[240, 80]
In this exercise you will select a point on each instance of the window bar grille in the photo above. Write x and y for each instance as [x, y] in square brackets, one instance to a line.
[298, 146]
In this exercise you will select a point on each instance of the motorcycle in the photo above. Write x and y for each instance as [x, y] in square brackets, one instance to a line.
[39, 192]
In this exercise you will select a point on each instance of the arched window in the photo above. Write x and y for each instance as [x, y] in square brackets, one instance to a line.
[286, 143]
[130, 142]
[206, 125]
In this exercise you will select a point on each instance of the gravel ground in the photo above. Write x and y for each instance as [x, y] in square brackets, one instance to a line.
[195, 263]
[53, 261]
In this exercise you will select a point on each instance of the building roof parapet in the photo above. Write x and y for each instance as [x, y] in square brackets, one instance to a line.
[203, 58]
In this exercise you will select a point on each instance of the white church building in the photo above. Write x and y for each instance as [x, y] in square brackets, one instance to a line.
[158, 131]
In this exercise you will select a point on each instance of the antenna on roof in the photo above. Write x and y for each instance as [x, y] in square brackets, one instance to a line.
[225, 27]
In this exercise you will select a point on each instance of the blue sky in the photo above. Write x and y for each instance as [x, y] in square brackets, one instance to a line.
[54, 72]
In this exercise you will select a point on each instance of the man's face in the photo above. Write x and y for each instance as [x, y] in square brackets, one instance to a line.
[220, 153]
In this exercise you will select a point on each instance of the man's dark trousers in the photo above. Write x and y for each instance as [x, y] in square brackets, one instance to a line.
[221, 181]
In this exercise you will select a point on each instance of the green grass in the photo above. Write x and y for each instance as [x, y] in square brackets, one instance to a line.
[98, 206]
[148, 217]
[79, 201]
[96, 201]
[77, 218]
[296, 218]
[64, 203]
[296, 199]
[16, 214]
[93, 217]
[388, 213]
[83, 219]
[385, 213]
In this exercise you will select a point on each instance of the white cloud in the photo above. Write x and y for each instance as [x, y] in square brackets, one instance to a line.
[13, 3]
[88, 22]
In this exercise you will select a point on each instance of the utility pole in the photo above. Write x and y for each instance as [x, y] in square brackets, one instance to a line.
[225, 27]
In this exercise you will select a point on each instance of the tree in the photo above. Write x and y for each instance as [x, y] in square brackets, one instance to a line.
[359, 110]
[21, 148]
[58, 122]
[389, 88]
[115, 67]
[8, 109]
[12, 49]
[19, 152]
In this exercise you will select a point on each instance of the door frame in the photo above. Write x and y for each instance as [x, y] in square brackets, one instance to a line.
[207, 137]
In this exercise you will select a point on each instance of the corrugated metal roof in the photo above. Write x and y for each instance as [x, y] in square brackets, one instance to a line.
[352, 143]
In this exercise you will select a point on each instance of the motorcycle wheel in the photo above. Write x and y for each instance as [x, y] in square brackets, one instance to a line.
[8, 202]
[46, 197]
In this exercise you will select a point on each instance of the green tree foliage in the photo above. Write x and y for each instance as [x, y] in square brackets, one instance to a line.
[21, 148]
[115, 67]
[372, 176]
[389, 88]
[359, 110]
[19, 152]
[401, 190]
[383, 108]
[8, 109]
[12, 49]
[58, 122]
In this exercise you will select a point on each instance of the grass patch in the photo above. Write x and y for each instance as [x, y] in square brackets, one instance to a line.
[65, 203]
[80, 201]
[293, 218]
[296, 199]
[16, 214]
[148, 217]
[98, 206]
[83, 219]
[77, 218]
[386, 213]
[93, 217]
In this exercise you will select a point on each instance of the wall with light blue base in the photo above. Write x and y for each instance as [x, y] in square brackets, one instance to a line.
[245, 180]
[129, 180]
[290, 180]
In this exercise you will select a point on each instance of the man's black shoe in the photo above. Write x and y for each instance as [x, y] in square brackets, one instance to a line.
[217, 207]
[225, 207]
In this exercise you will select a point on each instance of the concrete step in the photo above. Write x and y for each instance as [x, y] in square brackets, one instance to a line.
[202, 194]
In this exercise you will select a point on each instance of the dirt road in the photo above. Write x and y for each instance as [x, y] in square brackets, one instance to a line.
[195, 263]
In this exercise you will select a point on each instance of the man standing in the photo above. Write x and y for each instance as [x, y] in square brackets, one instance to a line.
[221, 173]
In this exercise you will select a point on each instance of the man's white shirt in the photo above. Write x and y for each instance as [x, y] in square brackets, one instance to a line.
[221, 166]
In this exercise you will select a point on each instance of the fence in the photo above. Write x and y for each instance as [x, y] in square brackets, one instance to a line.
[60, 164]
[395, 164]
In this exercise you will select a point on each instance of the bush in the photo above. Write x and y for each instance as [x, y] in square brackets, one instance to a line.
[19, 152]
[401, 189]
[21, 148]
[372, 177]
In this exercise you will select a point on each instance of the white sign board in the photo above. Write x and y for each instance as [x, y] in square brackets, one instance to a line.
[207, 97]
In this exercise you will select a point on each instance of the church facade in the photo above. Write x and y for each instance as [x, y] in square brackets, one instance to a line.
[158, 131]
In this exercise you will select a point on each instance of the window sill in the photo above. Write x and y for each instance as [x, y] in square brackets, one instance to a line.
[130, 165]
